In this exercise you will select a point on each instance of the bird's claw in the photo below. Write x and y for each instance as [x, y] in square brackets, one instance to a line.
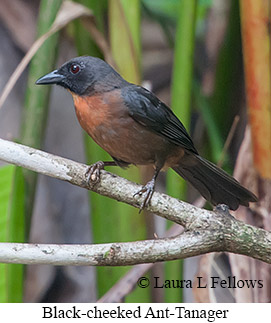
[148, 189]
[93, 173]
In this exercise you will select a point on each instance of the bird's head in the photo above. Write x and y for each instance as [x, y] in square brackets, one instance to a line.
[83, 75]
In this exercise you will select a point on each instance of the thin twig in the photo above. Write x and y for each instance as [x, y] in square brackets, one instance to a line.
[228, 140]
[99, 39]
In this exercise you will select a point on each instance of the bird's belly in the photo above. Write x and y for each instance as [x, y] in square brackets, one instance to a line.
[128, 143]
[111, 127]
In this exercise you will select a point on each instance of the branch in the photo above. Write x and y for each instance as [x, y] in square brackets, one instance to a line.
[205, 231]
[127, 283]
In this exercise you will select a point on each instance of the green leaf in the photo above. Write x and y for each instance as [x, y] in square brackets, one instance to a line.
[181, 105]
[37, 97]
[11, 230]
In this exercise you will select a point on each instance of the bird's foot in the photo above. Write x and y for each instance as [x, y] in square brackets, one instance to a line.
[223, 209]
[148, 189]
[93, 173]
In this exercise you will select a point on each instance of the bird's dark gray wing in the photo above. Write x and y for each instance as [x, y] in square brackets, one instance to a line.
[146, 109]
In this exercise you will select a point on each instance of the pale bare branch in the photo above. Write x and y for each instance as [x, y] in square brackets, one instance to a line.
[205, 231]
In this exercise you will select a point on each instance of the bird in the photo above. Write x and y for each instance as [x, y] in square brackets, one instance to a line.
[135, 127]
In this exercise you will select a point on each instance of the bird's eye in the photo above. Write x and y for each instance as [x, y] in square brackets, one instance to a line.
[75, 68]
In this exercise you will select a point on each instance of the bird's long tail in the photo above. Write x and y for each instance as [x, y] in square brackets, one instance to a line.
[214, 184]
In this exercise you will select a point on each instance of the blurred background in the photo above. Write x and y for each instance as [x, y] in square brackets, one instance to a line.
[190, 54]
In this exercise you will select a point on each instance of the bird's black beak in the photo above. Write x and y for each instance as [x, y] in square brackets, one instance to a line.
[51, 78]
